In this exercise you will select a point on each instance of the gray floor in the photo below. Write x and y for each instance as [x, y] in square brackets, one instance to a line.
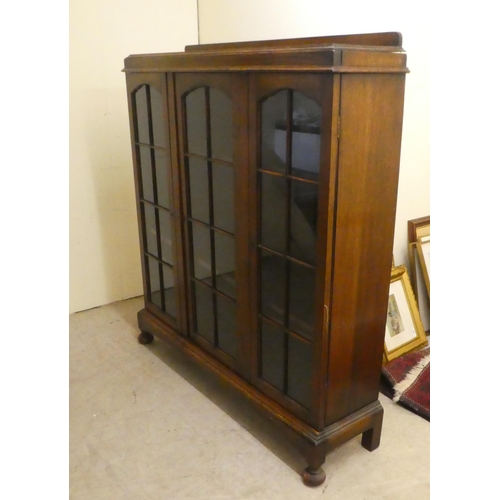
[147, 424]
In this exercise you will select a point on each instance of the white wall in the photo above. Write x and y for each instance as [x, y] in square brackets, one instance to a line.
[230, 20]
[104, 250]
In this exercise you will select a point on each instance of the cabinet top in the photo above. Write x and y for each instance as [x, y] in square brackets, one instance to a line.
[361, 53]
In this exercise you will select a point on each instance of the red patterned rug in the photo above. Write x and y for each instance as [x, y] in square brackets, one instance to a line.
[407, 381]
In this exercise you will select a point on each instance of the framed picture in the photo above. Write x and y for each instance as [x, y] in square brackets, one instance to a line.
[424, 256]
[404, 331]
[420, 289]
[417, 228]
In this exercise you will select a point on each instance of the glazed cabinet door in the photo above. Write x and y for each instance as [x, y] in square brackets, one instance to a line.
[156, 200]
[290, 179]
[211, 115]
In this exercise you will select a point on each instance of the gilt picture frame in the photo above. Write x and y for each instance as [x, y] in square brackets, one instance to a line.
[424, 256]
[417, 228]
[404, 330]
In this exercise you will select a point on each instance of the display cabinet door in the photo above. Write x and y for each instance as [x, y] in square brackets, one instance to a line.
[290, 180]
[212, 117]
[156, 200]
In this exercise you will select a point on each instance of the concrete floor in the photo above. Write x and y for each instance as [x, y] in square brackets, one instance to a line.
[145, 423]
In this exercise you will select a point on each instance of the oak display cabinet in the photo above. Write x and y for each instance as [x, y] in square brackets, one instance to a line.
[266, 178]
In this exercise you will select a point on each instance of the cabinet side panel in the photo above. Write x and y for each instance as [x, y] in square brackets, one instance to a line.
[370, 139]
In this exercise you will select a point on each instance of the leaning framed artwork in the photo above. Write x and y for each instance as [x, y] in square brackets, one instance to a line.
[417, 228]
[404, 331]
[424, 256]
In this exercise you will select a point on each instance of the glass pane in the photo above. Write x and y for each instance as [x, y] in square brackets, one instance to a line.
[226, 326]
[169, 291]
[272, 348]
[305, 137]
[204, 312]
[196, 119]
[301, 290]
[148, 192]
[221, 125]
[198, 190]
[154, 282]
[162, 162]
[159, 136]
[202, 253]
[299, 371]
[272, 286]
[303, 219]
[166, 236]
[273, 132]
[223, 189]
[273, 212]
[225, 265]
[141, 110]
[150, 228]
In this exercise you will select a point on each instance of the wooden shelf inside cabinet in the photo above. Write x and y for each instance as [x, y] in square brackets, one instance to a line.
[266, 178]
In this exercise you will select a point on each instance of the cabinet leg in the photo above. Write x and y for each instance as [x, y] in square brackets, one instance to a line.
[145, 338]
[313, 477]
[371, 437]
[313, 474]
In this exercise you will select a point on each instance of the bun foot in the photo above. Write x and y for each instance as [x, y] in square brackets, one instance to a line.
[313, 477]
[145, 338]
